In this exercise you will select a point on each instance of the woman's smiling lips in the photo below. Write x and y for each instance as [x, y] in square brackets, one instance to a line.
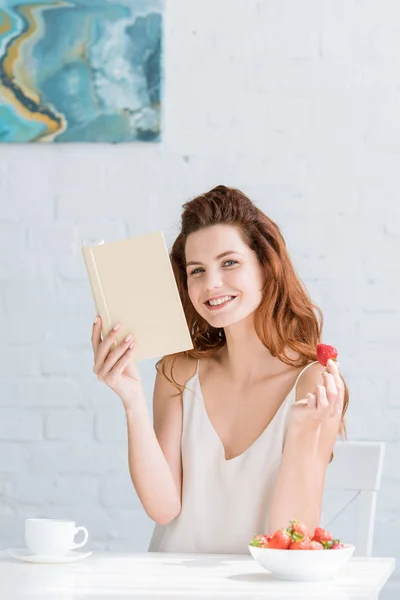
[218, 302]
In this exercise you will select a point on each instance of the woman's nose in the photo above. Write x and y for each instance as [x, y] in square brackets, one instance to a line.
[214, 280]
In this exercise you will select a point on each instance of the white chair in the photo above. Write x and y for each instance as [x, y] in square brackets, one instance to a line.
[356, 471]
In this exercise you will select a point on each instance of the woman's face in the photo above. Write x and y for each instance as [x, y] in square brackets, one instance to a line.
[224, 276]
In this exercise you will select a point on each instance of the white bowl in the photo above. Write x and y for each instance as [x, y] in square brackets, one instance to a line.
[302, 565]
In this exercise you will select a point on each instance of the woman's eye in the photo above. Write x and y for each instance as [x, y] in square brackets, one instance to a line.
[196, 271]
[229, 263]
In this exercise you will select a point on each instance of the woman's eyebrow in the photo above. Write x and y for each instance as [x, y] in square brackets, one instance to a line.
[194, 262]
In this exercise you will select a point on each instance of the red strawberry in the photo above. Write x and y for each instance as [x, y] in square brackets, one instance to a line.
[325, 352]
[331, 543]
[322, 535]
[298, 530]
[313, 545]
[256, 541]
[337, 546]
[280, 540]
[261, 541]
[301, 545]
[264, 540]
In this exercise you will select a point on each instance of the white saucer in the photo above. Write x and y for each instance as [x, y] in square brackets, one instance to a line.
[26, 556]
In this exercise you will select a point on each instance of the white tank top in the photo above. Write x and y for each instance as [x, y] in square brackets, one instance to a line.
[224, 502]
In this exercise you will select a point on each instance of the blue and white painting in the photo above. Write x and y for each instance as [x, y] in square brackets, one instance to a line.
[80, 70]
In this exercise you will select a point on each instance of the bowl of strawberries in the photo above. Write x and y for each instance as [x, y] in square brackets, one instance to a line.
[297, 554]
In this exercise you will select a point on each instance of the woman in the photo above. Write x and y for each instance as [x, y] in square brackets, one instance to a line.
[231, 453]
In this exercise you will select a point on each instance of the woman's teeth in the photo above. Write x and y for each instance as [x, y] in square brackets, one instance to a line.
[220, 300]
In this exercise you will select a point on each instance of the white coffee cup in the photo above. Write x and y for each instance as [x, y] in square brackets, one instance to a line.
[52, 537]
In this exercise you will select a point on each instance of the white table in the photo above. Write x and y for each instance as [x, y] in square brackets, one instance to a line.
[111, 576]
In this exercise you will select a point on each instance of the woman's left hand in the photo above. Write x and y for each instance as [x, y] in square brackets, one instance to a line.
[326, 402]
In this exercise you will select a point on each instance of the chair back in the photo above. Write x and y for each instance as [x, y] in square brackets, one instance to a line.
[356, 471]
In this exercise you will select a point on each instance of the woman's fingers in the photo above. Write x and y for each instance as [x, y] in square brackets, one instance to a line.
[121, 364]
[96, 334]
[333, 368]
[327, 399]
[322, 400]
[114, 356]
[103, 348]
[331, 391]
[311, 401]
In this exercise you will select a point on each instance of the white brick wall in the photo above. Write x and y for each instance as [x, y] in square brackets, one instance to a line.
[297, 103]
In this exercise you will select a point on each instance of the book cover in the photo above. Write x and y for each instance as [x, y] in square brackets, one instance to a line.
[133, 284]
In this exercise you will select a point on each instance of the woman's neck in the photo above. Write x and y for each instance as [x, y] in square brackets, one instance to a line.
[245, 356]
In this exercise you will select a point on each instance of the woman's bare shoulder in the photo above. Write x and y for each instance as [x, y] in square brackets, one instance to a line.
[180, 370]
[309, 378]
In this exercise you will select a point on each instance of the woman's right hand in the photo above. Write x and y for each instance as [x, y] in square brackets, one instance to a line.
[116, 368]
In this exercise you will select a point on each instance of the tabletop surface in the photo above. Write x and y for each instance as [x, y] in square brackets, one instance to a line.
[106, 576]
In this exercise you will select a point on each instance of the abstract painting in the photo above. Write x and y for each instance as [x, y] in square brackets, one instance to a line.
[80, 70]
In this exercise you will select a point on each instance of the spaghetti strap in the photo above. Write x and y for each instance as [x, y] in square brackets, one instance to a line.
[301, 373]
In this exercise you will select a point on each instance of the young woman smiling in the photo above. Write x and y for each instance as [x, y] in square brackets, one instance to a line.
[230, 452]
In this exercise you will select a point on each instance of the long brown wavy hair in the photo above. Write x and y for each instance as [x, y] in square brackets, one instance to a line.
[286, 317]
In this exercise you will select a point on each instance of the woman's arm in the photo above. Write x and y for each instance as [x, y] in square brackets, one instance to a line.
[308, 446]
[149, 469]
[299, 486]
[154, 451]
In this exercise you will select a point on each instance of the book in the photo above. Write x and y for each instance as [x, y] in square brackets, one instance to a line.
[133, 285]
